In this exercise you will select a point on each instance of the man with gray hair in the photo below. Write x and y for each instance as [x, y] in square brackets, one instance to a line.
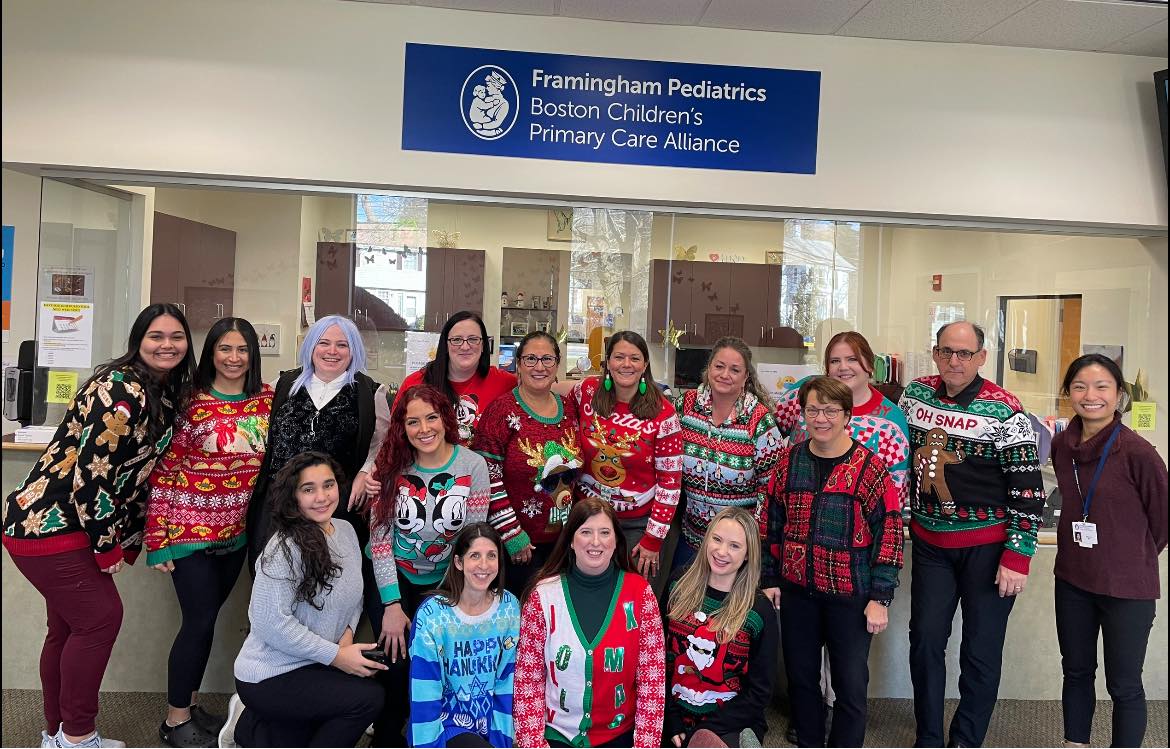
[976, 498]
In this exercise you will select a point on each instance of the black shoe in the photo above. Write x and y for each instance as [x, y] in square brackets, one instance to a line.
[186, 734]
[790, 736]
[206, 720]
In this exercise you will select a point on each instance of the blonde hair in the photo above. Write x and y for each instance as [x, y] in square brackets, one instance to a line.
[752, 385]
[687, 595]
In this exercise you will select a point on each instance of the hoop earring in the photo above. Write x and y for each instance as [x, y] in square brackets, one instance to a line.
[607, 383]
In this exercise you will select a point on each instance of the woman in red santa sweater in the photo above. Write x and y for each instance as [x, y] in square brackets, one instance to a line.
[590, 666]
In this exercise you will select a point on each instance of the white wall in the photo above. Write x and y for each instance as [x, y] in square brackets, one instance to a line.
[957, 130]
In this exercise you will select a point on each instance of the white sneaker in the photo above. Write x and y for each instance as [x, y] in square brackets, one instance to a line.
[93, 742]
[227, 734]
[47, 740]
[370, 730]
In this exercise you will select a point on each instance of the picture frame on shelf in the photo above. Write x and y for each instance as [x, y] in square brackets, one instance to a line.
[544, 326]
[519, 328]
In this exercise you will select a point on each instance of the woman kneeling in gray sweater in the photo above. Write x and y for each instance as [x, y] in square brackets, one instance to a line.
[301, 680]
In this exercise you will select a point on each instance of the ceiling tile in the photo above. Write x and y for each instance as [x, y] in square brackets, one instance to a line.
[929, 20]
[797, 16]
[1149, 42]
[525, 7]
[679, 12]
[1072, 24]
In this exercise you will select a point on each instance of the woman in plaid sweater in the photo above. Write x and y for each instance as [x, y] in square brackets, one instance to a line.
[834, 547]
[730, 443]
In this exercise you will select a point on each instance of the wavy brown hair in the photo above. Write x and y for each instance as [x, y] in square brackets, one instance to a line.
[645, 405]
[292, 528]
[560, 559]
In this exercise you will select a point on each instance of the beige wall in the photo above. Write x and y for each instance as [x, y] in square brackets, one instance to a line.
[21, 209]
[1034, 324]
[905, 127]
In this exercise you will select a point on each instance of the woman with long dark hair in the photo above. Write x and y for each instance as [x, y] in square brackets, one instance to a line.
[1112, 529]
[79, 515]
[301, 680]
[530, 440]
[721, 640]
[632, 448]
[198, 502]
[462, 370]
[463, 649]
[590, 670]
[434, 486]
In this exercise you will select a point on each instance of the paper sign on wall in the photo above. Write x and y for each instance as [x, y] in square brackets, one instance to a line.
[65, 335]
[420, 349]
[778, 378]
[1144, 416]
[62, 386]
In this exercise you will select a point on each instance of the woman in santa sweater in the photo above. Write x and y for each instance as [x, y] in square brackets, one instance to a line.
[730, 443]
[589, 670]
[1112, 529]
[529, 438]
[721, 640]
[630, 439]
[197, 508]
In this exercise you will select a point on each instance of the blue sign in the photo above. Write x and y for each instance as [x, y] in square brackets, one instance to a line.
[572, 108]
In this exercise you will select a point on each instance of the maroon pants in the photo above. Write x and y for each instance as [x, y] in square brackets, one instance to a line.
[84, 616]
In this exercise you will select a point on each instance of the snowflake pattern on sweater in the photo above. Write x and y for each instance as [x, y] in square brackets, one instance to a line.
[201, 486]
[633, 464]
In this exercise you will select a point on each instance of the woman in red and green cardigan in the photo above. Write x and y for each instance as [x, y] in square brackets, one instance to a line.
[198, 504]
[590, 669]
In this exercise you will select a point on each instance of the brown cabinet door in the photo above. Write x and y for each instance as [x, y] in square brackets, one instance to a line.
[465, 276]
[436, 304]
[164, 260]
[208, 274]
[334, 278]
[749, 301]
[710, 309]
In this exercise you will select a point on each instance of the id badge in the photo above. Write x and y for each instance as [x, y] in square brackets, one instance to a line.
[1085, 534]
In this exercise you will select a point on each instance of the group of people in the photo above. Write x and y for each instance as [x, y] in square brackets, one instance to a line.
[505, 537]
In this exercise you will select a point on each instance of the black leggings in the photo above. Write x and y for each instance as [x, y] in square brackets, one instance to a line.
[396, 679]
[313, 705]
[203, 581]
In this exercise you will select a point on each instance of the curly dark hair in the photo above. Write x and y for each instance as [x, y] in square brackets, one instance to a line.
[318, 568]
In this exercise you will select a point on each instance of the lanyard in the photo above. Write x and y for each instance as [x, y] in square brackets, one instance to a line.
[1088, 497]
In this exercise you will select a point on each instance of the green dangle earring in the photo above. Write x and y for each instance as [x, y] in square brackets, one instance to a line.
[642, 386]
[607, 383]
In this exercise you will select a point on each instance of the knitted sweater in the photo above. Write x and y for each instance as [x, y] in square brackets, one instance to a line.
[532, 462]
[724, 465]
[878, 424]
[285, 635]
[589, 692]
[842, 537]
[722, 687]
[631, 463]
[461, 672]
[431, 506]
[201, 486]
[88, 489]
[475, 394]
[975, 478]
[1129, 509]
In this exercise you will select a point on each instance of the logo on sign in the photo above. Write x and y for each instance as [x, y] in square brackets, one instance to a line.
[489, 102]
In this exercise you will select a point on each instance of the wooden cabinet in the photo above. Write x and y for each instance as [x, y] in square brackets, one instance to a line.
[335, 279]
[193, 265]
[712, 300]
[455, 279]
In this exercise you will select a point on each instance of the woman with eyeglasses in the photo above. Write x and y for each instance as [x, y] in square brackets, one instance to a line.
[730, 443]
[530, 441]
[831, 561]
[461, 370]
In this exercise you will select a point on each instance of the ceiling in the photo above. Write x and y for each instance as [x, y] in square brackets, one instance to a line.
[1128, 27]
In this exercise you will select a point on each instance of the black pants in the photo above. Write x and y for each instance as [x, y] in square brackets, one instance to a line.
[310, 706]
[1125, 626]
[807, 624]
[517, 576]
[941, 581]
[203, 581]
[395, 681]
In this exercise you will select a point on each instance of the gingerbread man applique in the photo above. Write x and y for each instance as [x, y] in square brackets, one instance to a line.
[116, 428]
[930, 462]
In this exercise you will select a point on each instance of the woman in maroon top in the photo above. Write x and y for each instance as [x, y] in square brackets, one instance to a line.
[1112, 529]
[529, 438]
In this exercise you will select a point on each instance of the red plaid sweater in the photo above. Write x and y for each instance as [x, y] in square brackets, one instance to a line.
[840, 539]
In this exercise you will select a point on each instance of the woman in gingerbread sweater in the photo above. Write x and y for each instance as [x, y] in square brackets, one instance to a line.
[1112, 529]
[198, 504]
[590, 666]
[529, 438]
[632, 447]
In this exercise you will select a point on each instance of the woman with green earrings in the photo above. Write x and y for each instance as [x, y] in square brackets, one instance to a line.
[632, 448]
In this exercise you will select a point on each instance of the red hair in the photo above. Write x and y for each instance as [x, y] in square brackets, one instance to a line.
[860, 346]
[397, 454]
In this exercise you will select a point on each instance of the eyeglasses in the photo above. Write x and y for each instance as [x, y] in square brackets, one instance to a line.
[830, 412]
[531, 360]
[946, 353]
[458, 341]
